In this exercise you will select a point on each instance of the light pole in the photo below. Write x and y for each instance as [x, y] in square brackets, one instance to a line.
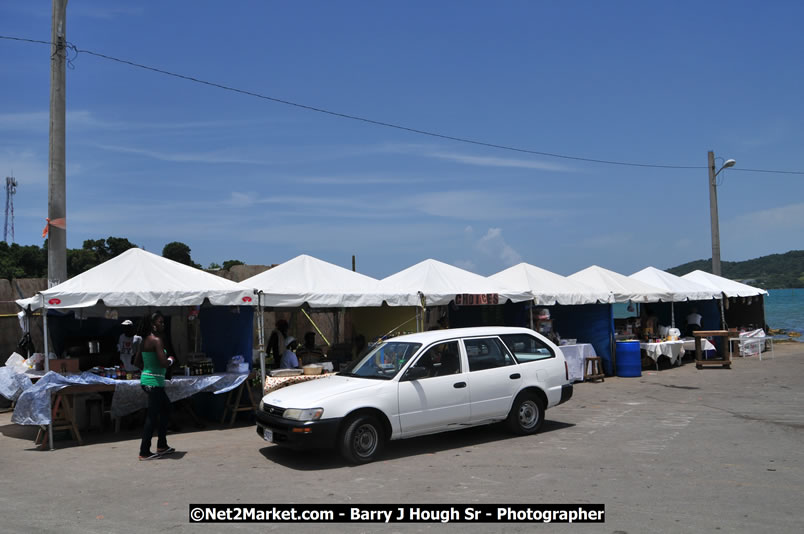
[713, 209]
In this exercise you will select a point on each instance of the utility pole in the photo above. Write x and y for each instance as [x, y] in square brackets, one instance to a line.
[713, 209]
[57, 195]
[713, 215]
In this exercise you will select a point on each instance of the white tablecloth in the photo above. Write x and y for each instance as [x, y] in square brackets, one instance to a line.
[672, 349]
[33, 404]
[575, 354]
[689, 344]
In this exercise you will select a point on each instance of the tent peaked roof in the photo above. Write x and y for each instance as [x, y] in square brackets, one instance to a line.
[681, 288]
[548, 288]
[730, 288]
[622, 287]
[140, 278]
[440, 283]
[318, 283]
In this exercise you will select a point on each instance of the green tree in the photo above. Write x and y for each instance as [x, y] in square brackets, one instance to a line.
[179, 252]
[80, 260]
[213, 267]
[228, 264]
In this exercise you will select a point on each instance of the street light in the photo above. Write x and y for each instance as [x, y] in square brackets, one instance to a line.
[713, 209]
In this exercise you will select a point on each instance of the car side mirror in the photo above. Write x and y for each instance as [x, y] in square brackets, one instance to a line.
[415, 373]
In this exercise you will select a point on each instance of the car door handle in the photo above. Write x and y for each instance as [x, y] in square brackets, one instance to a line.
[515, 376]
[459, 385]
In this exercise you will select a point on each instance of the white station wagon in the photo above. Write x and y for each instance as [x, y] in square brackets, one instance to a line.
[421, 384]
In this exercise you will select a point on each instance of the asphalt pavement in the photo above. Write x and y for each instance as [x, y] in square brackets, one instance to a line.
[676, 450]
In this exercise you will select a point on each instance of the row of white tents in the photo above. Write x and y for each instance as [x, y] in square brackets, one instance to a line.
[140, 281]
[138, 278]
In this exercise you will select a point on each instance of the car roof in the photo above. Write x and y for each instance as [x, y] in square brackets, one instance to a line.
[452, 333]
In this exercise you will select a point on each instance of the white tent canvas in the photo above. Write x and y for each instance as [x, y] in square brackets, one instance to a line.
[681, 288]
[622, 288]
[728, 287]
[305, 279]
[138, 278]
[439, 283]
[548, 288]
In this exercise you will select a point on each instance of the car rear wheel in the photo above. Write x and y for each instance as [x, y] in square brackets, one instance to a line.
[527, 414]
[362, 439]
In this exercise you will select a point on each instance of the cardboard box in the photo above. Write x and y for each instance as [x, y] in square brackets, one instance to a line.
[64, 365]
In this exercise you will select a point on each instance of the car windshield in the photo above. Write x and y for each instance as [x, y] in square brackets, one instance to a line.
[383, 361]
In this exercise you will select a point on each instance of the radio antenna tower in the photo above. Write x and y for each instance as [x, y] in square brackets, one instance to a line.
[11, 189]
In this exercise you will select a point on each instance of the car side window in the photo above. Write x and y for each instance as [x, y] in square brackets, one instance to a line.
[527, 348]
[441, 359]
[486, 353]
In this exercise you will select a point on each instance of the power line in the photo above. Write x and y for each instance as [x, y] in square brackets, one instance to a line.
[386, 124]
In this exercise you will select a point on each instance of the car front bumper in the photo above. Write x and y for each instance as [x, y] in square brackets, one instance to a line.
[298, 434]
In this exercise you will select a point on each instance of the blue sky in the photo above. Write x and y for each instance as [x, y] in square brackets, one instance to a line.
[158, 159]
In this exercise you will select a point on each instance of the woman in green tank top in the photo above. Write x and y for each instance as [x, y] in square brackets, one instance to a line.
[155, 361]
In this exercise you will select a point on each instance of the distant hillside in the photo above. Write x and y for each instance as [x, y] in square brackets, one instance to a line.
[768, 272]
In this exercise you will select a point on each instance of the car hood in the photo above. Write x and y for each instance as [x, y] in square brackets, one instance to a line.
[311, 394]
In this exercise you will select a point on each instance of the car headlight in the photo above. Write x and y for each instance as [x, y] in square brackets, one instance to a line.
[262, 405]
[310, 414]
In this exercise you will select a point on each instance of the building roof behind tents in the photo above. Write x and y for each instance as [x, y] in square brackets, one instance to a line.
[681, 288]
[548, 288]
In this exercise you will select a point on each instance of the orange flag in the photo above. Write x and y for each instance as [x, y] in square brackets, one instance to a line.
[58, 223]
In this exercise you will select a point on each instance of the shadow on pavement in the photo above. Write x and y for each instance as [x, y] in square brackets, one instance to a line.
[322, 459]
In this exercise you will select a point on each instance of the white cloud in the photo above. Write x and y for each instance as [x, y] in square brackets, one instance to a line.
[218, 156]
[490, 161]
[494, 245]
[491, 250]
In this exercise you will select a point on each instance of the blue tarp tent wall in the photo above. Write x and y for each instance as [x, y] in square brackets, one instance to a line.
[588, 323]
[227, 331]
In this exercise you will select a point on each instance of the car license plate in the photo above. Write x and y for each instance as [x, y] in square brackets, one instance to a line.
[268, 435]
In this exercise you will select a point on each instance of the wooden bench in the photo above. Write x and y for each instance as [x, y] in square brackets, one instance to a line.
[593, 369]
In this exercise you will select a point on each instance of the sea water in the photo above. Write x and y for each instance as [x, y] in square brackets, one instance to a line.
[784, 309]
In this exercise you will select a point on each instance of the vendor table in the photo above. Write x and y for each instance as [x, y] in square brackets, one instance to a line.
[128, 396]
[689, 345]
[63, 410]
[272, 383]
[576, 355]
[699, 361]
[674, 350]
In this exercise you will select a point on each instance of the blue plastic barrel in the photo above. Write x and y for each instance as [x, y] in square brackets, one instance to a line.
[628, 359]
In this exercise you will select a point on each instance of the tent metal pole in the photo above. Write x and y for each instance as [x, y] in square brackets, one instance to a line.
[672, 314]
[47, 369]
[261, 338]
[530, 313]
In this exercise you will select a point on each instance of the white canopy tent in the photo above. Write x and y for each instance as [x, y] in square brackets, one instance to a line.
[729, 288]
[681, 289]
[305, 279]
[308, 280]
[137, 278]
[622, 287]
[548, 288]
[433, 283]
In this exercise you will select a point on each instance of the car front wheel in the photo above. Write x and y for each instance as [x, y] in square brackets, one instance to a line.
[527, 414]
[362, 440]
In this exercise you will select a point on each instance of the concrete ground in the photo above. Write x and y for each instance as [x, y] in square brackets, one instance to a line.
[677, 450]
